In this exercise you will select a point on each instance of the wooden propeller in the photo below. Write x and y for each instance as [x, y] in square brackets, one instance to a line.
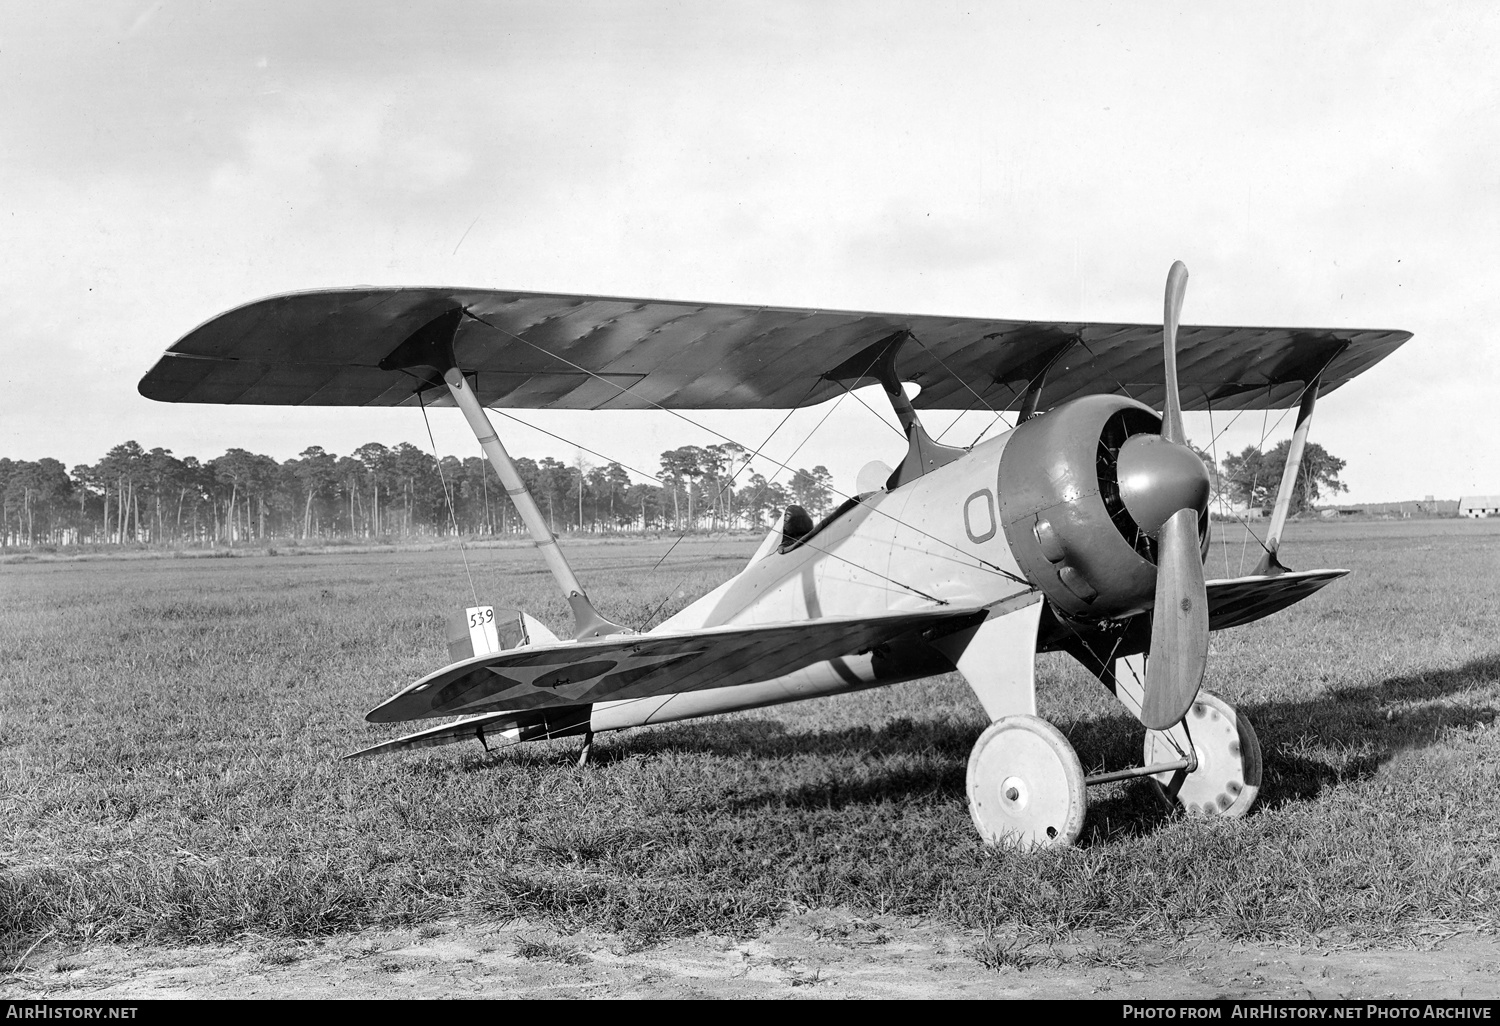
[1179, 625]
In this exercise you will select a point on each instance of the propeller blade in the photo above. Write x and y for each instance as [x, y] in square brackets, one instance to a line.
[1179, 624]
[1171, 427]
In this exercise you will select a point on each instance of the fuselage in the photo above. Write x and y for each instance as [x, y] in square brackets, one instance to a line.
[1040, 508]
[933, 540]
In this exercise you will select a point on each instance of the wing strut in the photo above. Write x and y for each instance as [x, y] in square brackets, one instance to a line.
[432, 346]
[1270, 566]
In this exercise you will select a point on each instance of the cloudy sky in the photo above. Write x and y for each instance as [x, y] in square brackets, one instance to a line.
[1327, 165]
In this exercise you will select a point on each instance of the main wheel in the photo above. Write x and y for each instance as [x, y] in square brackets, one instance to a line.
[1026, 784]
[1228, 775]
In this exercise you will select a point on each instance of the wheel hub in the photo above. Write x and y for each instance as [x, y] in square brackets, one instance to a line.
[1227, 779]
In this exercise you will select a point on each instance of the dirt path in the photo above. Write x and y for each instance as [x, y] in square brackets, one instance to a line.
[815, 955]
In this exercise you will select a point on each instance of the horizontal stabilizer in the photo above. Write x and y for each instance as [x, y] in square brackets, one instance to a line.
[1240, 600]
[493, 730]
[642, 665]
[529, 350]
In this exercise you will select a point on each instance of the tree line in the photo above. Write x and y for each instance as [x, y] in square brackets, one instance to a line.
[135, 495]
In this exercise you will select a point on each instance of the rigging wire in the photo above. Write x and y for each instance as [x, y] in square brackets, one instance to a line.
[1238, 413]
[783, 466]
[1170, 737]
[999, 415]
[749, 455]
[954, 423]
[942, 363]
[982, 563]
[576, 445]
[808, 437]
[875, 412]
[722, 490]
[998, 419]
[448, 498]
[745, 463]
[1213, 450]
[730, 483]
[1265, 418]
[1255, 478]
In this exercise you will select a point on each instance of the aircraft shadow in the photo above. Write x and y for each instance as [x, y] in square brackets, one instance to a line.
[1371, 723]
[1374, 723]
[1364, 727]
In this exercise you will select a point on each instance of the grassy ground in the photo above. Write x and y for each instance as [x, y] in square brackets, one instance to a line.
[170, 733]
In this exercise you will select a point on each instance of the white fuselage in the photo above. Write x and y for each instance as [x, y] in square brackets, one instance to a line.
[935, 538]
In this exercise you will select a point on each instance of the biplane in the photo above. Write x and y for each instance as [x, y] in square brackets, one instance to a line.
[1082, 529]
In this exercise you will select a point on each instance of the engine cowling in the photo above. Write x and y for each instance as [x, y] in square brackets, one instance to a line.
[1082, 488]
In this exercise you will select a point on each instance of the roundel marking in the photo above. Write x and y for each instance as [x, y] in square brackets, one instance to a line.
[979, 516]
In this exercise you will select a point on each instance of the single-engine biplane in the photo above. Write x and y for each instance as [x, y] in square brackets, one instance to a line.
[1082, 529]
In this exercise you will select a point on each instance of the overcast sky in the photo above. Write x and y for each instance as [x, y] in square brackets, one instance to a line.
[1320, 165]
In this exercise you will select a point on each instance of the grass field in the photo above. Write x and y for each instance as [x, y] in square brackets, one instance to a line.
[170, 732]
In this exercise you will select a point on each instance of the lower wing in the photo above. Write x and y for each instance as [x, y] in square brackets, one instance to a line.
[1241, 600]
[642, 665]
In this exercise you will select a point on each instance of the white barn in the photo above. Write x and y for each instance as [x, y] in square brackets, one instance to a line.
[1479, 506]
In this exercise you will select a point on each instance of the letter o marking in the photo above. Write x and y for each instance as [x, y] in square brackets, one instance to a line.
[979, 516]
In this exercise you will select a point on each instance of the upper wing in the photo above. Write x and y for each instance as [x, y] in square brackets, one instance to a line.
[533, 350]
[641, 665]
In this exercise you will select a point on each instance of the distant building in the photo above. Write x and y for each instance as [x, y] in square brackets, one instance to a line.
[1479, 506]
[1428, 507]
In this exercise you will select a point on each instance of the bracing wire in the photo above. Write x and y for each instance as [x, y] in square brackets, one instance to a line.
[999, 416]
[560, 438]
[954, 423]
[1214, 437]
[783, 466]
[980, 561]
[448, 498]
[808, 437]
[577, 445]
[1213, 450]
[849, 391]
[1265, 418]
[727, 485]
[956, 377]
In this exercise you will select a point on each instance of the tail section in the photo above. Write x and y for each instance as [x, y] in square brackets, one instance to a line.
[481, 631]
[486, 630]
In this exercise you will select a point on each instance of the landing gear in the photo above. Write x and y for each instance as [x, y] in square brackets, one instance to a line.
[1228, 775]
[1026, 784]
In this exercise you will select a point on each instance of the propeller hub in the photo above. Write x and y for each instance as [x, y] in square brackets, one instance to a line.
[1158, 478]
